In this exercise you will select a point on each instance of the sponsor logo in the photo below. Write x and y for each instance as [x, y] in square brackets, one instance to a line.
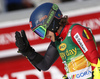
[73, 77]
[81, 75]
[59, 15]
[33, 73]
[80, 42]
[69, 33]
[93, 23]
[62, 46]
[85, 34]
[63, 55]
[44, 17]
[55, 7]
[40, 21]
[9, 38]
[50, 17]
[68, 53]
[30, 23]
[71, 52]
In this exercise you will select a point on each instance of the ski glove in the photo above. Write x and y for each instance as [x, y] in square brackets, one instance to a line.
[23, 44]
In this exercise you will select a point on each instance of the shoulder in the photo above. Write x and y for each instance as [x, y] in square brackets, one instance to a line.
[78, 28]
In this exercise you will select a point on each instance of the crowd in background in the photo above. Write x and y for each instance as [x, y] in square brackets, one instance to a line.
[12, 5]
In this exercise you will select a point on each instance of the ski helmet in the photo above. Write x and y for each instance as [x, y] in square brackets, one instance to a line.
[46, 16]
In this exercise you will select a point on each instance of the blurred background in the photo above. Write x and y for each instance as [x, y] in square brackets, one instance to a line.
[14, 16]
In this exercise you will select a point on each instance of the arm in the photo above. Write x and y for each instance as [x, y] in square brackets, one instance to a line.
[83, 38]
[40, 62]
[50, 57]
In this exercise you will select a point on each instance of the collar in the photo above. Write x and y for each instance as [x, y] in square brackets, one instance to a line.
[65, 31]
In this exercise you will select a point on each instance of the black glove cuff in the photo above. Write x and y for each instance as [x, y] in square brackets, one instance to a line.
[38, 58]
[28, 51]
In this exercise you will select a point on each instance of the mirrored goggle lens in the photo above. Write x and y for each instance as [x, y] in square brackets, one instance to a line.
[41, 31]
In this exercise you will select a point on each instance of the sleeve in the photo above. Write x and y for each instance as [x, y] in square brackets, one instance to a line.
[83, 38]
[44, 63]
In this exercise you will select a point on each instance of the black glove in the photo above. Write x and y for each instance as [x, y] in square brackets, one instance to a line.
[23, 44]
[25, 48]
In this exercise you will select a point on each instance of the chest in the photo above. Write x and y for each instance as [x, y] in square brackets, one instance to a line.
[67, 49]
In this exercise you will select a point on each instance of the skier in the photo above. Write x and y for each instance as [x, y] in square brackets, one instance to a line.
[74, 43]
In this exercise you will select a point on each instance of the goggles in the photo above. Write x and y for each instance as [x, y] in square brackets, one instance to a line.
[41, 30]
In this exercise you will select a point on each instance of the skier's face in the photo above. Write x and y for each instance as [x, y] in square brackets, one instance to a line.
[50, 35]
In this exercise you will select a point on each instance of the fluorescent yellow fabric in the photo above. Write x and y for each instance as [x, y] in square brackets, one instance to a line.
[97, 70]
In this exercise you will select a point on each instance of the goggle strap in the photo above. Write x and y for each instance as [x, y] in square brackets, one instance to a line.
[50, 16]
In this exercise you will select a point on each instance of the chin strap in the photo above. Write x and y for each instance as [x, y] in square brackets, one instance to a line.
[57, 36]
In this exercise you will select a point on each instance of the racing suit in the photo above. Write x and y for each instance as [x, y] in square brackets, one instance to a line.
[77, 49]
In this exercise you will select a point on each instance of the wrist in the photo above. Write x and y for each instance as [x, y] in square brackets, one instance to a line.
[27, 51]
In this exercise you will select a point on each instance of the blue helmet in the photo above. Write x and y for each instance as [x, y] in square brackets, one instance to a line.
[45, 17]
